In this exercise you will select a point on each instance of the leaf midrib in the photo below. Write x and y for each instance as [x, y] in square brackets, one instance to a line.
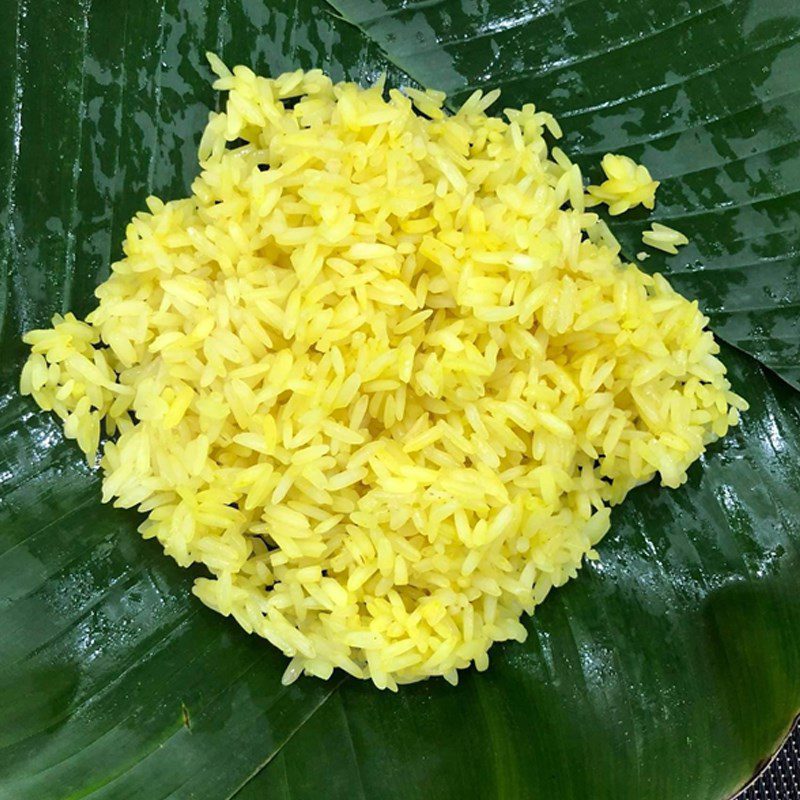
[277, 751]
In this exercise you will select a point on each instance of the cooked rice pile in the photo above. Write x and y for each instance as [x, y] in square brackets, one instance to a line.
[381, 374]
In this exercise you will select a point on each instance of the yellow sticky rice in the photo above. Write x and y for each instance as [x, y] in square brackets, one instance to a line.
[664, 238]
[627, 185]
[381, 374]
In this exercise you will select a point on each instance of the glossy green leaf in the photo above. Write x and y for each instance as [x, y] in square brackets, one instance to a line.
[668, 670]
[705, 92]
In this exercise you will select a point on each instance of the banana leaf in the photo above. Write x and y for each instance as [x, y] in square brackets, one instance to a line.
[669, 669]
[706, 93]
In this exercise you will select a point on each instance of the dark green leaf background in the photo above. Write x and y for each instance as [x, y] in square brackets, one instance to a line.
[668, 671]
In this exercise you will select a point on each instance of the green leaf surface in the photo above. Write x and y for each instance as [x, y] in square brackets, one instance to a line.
[705, 92]
[668, 670]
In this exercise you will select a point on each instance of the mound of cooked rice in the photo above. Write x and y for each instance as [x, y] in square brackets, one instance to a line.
[381, 373]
